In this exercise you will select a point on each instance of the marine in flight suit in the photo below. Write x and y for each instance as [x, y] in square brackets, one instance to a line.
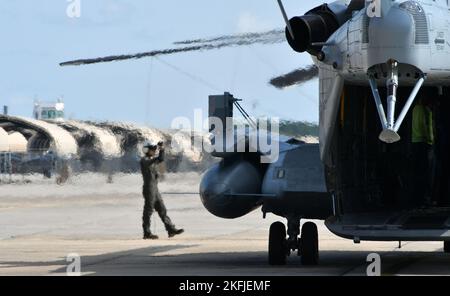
[152, 197]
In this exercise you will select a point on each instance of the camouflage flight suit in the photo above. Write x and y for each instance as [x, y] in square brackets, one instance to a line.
[153, 199]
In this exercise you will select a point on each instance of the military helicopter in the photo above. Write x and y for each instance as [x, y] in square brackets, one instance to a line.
[367, 153]
[362, 178]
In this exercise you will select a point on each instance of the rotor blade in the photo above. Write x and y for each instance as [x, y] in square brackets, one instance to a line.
[131, 56]
[275, 35]
[235, 41]
[295, 77]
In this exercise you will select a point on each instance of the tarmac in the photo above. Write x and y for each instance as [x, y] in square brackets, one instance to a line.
[42, 223]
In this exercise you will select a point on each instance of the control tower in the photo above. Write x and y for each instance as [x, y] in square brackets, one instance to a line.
[51, 111]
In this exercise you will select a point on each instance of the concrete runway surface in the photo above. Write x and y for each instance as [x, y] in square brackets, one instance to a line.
[41, 223]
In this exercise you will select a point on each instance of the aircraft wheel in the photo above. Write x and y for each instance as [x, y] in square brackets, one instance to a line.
[447, 247]
[309, 244]
[277, 244]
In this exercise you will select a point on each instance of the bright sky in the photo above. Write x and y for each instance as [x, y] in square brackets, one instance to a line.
[38, 35]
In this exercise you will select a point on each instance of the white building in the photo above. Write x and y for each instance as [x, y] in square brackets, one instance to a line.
[49, 111]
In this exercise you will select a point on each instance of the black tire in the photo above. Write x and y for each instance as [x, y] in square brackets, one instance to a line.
[309, 244]
[277, 244]
[447, 247]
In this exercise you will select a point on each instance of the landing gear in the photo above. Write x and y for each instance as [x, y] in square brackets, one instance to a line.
[307, 245]
[277, 244]
[447, 247]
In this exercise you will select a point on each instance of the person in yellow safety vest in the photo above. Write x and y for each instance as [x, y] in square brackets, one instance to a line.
[422, 125]
[422, 139]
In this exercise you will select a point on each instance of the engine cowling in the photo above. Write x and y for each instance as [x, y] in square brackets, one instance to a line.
[228, 190]
[317, 25]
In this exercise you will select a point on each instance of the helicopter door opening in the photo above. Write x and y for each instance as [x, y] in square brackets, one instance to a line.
[411, 174]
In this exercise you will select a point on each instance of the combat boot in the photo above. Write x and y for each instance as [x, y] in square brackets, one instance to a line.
[149, 235]
[172, 232]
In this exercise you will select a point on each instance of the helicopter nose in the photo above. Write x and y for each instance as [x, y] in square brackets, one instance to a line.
[393, 36]
[394, 30]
